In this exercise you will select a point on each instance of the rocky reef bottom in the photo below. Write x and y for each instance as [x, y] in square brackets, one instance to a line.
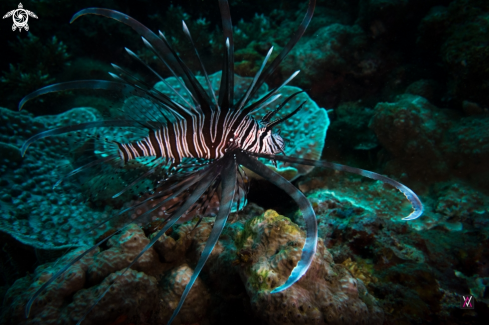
[370, 267]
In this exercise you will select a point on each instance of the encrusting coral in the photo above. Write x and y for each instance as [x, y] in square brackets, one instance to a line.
[32, 211]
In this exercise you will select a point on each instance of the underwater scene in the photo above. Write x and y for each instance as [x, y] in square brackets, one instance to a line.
[202, 162]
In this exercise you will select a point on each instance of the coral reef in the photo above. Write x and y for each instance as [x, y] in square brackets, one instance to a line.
[426, 88]
[32, 211]
[429, 142]
[329, 293]
[458, 33]
[333, 52]
[405, 86]
[26, 204]
[408, 267]
[460, 202]
[350, 127]
[326, 294]
[65, 301]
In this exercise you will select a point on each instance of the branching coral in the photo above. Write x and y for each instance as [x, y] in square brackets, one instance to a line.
[23, 82]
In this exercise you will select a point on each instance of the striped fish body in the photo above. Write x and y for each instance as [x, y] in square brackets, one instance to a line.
[203, 137]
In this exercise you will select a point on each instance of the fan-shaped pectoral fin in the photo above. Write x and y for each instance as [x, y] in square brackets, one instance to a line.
[310, 244]
[226, 202]
[210, 175]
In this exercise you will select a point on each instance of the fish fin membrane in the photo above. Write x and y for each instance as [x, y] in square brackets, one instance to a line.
[308, 214]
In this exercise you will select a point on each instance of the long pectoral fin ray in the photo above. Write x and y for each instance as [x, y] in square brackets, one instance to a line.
[78, 127]
[308, 214]
[410, 195]
[82, 84]
[201, 187]
[226, 202]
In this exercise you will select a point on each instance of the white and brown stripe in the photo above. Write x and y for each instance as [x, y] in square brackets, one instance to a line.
[187, 139]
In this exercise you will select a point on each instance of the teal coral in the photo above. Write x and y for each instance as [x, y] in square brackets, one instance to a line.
[32, 211]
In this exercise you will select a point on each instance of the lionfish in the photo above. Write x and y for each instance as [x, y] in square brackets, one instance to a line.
[218, 133]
